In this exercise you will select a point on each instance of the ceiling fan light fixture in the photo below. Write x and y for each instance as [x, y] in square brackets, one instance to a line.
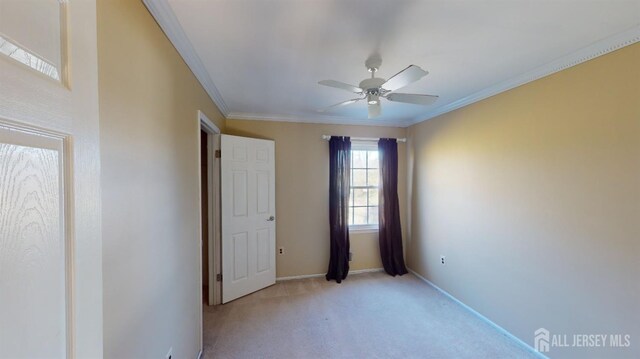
[373, 99]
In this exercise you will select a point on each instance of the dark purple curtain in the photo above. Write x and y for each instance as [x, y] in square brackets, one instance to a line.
[339, 186]
[389, 211]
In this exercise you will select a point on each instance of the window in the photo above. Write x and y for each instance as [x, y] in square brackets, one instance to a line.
[363, 202]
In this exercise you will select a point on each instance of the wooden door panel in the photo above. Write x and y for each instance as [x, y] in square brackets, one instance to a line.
[33, 246]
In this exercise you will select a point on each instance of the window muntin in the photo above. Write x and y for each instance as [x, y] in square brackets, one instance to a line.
[365, 177]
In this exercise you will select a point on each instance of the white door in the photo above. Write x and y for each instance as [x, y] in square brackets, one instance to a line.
[248, 215]
[50, 240]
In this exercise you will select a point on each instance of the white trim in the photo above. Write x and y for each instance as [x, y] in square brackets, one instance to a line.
[359, 144]
[368, 270]
[279, 279]
[364, 228]
[485, 319]
[351, 272]
[162, 12]
[316, 119]
[205, 124]
[199, 166]
[204, 120]
[587, 53]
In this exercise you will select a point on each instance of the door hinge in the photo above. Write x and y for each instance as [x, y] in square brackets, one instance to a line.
[219, 277]
[218, 153]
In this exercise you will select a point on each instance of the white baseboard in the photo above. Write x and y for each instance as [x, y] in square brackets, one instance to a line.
[370, 270]
[279, 279]
[359, 271]
[485, 319]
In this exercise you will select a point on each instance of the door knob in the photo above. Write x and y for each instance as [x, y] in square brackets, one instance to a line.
[272, 218]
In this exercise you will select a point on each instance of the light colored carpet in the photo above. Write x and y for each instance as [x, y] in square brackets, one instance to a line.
[370, 315]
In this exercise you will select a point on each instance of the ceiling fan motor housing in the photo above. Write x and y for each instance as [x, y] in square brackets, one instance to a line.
[372, 86]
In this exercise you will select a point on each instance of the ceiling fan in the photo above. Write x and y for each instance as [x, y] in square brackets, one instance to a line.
[374, 89]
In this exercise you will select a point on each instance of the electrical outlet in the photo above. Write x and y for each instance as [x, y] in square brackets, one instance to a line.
[281, 250]
[169, 354]
[443, 260]
[350, 256]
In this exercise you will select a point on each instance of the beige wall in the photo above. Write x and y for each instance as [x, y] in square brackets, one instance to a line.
[148, 107]
[534, 197]
[302, 192]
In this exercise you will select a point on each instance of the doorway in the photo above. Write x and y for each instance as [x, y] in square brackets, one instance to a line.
[204, 201]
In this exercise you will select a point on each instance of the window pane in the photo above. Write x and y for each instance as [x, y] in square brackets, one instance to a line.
[360, 215]
[372, 161]
[373, 215]
[359, 178]
[373, 177]
[364, 201]
[373, 197]
[358, 159]
[359, 197]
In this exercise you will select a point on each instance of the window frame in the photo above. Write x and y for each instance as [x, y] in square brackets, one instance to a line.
[359, 145]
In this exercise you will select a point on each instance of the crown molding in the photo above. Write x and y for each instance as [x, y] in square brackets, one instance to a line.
[162, 12]
[587, 53]
[320, 119]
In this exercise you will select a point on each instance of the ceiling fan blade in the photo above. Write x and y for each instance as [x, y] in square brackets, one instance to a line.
[405, 77]
[348, 102]
[412, 98]
[375, 110]
[341, 85]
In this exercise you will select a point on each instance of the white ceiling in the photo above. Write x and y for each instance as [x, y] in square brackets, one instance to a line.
[262, 59]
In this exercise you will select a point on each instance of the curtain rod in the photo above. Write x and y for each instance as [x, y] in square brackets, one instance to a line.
[327, 137]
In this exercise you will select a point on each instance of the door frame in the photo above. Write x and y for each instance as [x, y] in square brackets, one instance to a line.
[213, 193]
[213, 180]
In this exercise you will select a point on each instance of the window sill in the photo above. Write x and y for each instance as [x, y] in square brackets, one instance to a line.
[363, 229]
